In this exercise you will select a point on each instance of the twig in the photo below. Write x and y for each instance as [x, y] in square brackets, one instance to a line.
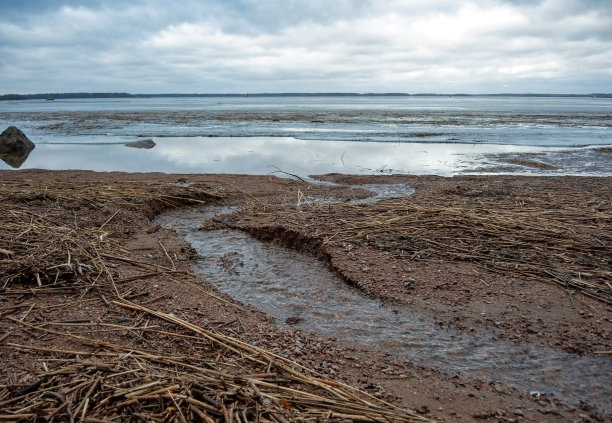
[167, 255]
[286, 173]
[108, 220]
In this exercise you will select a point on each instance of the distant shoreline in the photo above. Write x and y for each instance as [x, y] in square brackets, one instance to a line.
[47, 96]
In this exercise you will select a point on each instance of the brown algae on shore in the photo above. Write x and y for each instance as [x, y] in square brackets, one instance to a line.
[530, 163]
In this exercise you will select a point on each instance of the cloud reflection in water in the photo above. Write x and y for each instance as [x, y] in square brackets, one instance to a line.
[263, 155]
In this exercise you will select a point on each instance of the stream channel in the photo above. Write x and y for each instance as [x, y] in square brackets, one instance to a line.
[285, 283]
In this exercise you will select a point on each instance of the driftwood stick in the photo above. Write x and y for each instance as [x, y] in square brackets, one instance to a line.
[286, 173]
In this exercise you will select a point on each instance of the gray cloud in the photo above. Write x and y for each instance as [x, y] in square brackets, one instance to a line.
[275, 46]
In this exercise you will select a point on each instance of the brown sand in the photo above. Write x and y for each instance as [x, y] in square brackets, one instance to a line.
[450, 293]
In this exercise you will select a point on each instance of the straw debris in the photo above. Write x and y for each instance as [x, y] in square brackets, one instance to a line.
[245, 383]
[132, 362]
[45, 250]
[529, 234]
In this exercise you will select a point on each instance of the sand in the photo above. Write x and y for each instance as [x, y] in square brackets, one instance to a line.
[452, 293]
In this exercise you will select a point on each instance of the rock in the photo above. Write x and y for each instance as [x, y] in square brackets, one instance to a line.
[153, 229]
[424, 409]
[294, 320]
[14, 146]
[499, 388]
[12, 140]
[148, 143]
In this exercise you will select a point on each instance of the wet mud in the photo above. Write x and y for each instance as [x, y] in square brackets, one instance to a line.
[300, 290]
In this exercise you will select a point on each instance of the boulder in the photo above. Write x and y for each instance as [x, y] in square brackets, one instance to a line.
[148, 143]
[14, 146]
[12, 140]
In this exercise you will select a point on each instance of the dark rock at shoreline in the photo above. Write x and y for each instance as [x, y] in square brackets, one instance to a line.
[12, 140]
[148, 143]
[14, 146]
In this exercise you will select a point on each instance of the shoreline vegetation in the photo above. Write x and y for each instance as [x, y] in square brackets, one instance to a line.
[102, 316]
[46, 96]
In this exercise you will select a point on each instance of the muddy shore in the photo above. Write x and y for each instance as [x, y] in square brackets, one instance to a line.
[461, 294]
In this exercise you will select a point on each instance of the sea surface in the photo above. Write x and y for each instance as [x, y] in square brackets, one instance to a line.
[316, 135]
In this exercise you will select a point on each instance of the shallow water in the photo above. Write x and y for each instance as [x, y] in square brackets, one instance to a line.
[308, 136]
[534, 121]
[261, 156]
[285, 283]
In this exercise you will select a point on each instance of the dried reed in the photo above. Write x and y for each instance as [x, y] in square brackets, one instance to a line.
[44, 249]
[563, 238]
[103, 381]
[103, 371]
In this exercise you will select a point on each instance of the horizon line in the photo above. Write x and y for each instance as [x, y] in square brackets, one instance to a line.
[116, 94]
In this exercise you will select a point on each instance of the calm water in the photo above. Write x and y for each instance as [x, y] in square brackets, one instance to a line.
[313, 135]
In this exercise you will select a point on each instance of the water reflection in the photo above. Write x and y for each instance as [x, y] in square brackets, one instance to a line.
[264, 155]
[16, 158]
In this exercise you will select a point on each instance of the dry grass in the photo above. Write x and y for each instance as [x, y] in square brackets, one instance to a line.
[108, 370]
[218, 378]
[563, 238]
[42, 248]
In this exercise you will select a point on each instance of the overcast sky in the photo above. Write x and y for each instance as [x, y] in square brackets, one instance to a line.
[239, 46]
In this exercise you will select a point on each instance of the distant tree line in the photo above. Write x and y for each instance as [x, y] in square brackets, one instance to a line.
[126, 95]
[62, 95]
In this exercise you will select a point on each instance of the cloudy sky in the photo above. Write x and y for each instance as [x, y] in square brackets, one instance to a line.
[237, 46]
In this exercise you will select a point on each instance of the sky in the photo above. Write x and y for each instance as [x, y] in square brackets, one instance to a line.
[272, 46]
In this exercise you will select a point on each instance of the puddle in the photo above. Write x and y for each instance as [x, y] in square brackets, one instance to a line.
[288, 284]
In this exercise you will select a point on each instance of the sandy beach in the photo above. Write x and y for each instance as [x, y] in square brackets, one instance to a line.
[101, 314]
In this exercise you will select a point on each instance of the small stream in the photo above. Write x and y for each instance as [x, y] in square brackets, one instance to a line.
[288, 284]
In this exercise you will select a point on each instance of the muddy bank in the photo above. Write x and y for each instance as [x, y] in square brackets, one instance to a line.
[297, 289]
[467, 294]
[534, 312]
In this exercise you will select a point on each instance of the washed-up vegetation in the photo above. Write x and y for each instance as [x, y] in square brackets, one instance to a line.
[62, 242]
[45, 249]
[531, 163]
[529, 234]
